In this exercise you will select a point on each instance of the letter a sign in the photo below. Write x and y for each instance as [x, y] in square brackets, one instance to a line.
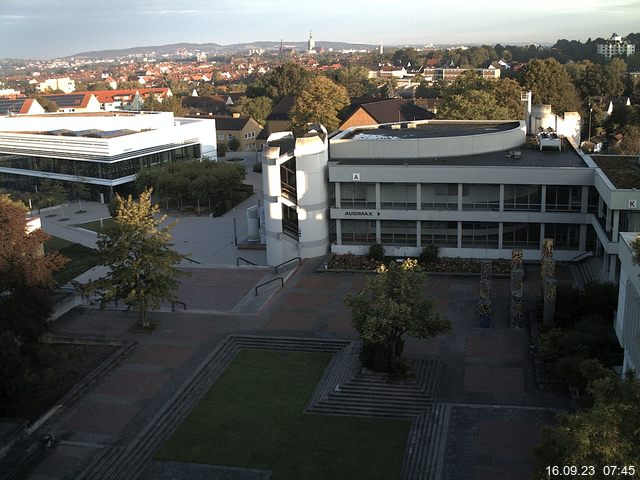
[356, 177]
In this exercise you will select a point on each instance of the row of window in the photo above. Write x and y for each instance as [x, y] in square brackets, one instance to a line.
[106, 170]
[229, 136]
[474, 197]
[445, 234]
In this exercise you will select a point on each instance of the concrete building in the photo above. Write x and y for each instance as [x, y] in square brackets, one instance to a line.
[627, 320]
[614, 47]
[20, 106]
[104, 150]
[74, 102]
[65, 85]
[245, 129]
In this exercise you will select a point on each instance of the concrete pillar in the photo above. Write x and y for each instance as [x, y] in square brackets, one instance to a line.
[338, 232]
[615, 225]
[378, 196]
[459, 234]
[418, 236]
[418, 196]
[378, 231]
[584, 199]
[541, 236]
[613, 263]
[582, 245]
[600, 205]
[543, 198]
[607, 223]
[501, 207]
[459, 197]
[500, 232]
[337, 193]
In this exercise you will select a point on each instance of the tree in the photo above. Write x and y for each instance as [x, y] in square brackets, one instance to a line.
[630, 144]
[258, 108]
[26, 274]
[142, 266]
[405, 56]
[550, 84]
[603, 435]
[391, 305]
[287, 79]
[319, 102]
[48, 105]
[169, 104]
[234, 144]
[355, 79]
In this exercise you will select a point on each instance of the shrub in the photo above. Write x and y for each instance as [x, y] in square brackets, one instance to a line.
[429, 255]
[258, 167]
[376, 252]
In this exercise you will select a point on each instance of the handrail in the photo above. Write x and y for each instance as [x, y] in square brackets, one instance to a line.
[249, 262]
[581, 256]
[267, 283]
[288, 261]
[192, 260]
[173, 305]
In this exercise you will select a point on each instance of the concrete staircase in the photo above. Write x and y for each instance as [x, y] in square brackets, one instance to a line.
[587, 271]
[424, 456]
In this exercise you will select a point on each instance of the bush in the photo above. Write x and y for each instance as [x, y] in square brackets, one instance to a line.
[429, 255]
[376, 252]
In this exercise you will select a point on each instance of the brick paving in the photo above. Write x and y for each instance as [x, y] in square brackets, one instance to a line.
[487, 374]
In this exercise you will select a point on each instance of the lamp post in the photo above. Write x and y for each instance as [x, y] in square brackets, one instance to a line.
[590, 110]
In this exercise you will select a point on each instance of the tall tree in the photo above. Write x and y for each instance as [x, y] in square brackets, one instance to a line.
[550, 84]
[137, 249]
[258, 107]
[286, 79]
[319, 102]
[391, 305]
[355, 79]
[169, 104]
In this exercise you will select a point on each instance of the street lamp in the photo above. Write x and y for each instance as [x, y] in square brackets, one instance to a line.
[590, 110]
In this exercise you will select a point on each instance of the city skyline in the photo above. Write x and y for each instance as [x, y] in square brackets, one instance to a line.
[48, 29]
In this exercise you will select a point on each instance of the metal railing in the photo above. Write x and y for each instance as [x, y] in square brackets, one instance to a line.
[173, 305]
[248, 262]
[288, 261]
[267, 283]
[581, 256]
[192, 260]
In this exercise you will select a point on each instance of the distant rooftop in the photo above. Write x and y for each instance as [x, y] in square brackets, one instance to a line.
[429, 130]
[622, 170]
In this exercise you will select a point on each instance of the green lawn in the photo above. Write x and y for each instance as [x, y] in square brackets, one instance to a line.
[81, 258]
[94, 225]
[253, 417]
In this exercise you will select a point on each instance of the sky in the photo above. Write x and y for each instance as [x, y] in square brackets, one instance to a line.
[42, 29]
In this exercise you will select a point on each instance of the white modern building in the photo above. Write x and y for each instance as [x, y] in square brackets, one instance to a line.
[104, 150]
[627, 322]
[615, 47]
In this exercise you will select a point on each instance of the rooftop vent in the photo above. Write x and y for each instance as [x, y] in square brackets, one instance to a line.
[396, 126]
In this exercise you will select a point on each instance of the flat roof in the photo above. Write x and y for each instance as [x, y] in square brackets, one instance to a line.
[428, 129]
[530, 156]
[622, 170]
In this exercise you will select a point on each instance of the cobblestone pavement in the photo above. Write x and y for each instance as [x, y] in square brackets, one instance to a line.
[487, 374]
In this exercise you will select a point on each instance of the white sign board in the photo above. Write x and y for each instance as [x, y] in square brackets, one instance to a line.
[633, 204]
[356, 177]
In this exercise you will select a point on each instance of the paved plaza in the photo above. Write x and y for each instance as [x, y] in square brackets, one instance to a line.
[486, 379]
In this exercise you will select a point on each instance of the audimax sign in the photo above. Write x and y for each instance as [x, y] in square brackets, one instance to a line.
[361, 213]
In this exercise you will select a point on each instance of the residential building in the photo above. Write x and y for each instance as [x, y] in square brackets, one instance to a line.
[245, 129]
[128, 99]
[20, 105]
[373, 111]
[74, 102]
[65, 84]
[103, 150]
[615, 47]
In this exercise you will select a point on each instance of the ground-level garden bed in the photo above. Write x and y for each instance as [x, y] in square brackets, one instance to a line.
[253, 417]
[96, 225]
[350, 261]
[53, 370]
[81, 258]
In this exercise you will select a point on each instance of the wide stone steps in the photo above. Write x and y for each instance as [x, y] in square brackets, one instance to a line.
[424, 456]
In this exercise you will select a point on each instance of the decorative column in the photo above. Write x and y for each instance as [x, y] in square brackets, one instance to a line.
[549, 284]
[517, 277]
[484, 305]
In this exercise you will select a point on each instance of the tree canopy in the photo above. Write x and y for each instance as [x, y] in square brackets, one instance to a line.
[169, 104]
[393, 304]
[550, 84]
[355, 79]
[319, 102]
[137, 249]
[286, 79]
[605, 434]
[258, 108]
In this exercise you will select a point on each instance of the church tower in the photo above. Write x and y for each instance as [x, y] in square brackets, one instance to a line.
[311, 44]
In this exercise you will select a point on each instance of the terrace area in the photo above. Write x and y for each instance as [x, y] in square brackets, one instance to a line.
[622, 170]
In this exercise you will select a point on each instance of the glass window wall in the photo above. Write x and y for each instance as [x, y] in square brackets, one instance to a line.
[521, 235]
[439, 196]
[358, 232]
[358, 195]
[398, 232]
[398, 195]
[480, 235]
[442, 234]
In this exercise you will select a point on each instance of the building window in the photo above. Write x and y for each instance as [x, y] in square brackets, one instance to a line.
[523, 197]
[442, 234]
[521, 235]
[290, 222]
[358, 195]
[398, 196]
[565, 237]
[288, 179]
[398, 232]
[480, 235]
[229, 137]
[358, 232]
[439, 196]
[563, 198]
[481, 197]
